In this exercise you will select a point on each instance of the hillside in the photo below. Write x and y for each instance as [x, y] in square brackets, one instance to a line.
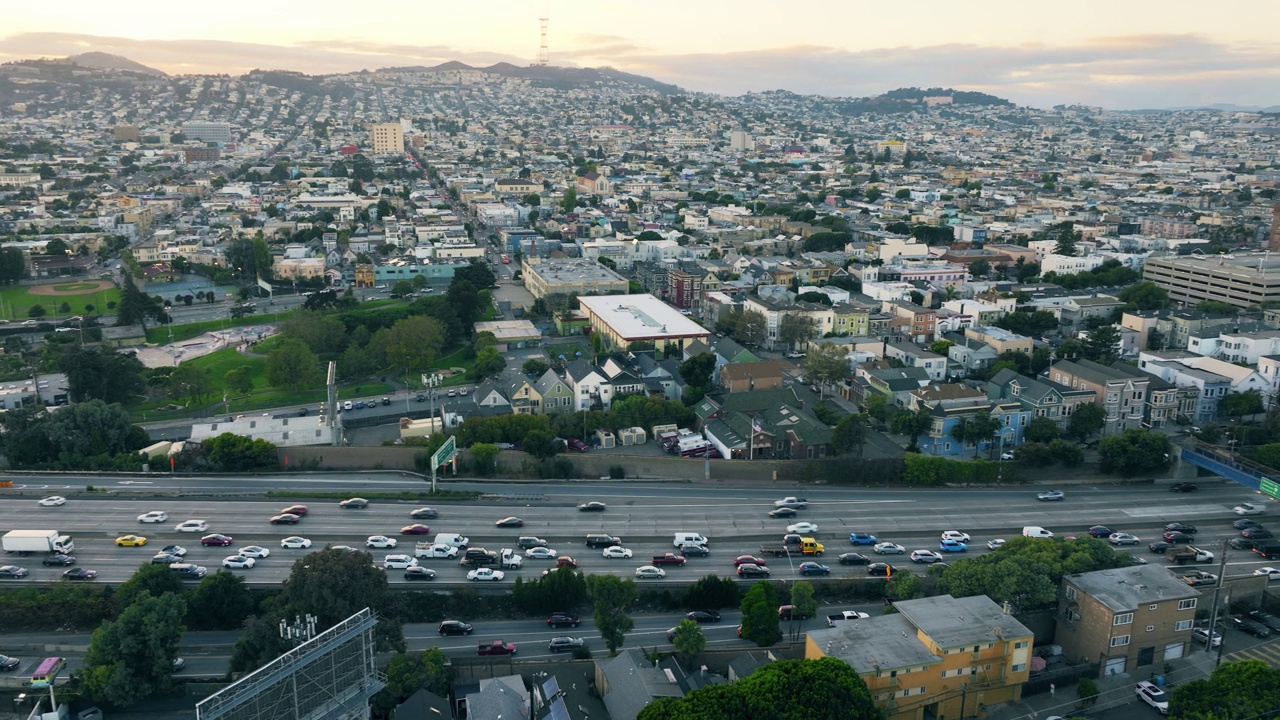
[107, 61]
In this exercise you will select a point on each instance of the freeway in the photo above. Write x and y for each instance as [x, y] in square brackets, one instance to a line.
[645, 516]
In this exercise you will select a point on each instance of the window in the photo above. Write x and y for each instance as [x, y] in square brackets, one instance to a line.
[1184, 624]
[1019, 667]
[1124, 619]
[1119, 640]
[1151, 628]
[1071, 592]
[1020, 644]
[1188, 604]
[1153, 606]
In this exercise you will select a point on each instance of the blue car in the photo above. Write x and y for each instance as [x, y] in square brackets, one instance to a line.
[813, 568]
[952, 546]
[861, 538]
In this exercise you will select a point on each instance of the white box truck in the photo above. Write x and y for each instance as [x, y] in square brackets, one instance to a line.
[21, 542]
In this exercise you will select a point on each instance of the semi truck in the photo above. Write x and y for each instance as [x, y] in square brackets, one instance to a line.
[21, 542]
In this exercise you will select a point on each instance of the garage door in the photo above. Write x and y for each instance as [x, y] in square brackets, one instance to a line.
[1173, 651]
[1115, 666]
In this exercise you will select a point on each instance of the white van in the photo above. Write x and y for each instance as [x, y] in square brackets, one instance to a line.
[683, 539]
[510, 559]
[452, 540]
[1035, 531]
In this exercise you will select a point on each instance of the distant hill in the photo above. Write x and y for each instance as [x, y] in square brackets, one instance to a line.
[905, 100]
[107, 61]
[1227, 107]
[562, 78]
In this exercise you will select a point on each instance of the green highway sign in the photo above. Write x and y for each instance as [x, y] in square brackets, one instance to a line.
[446, 453]
[1270, 487]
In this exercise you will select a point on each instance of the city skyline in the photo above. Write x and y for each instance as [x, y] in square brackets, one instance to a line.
[1140, 54]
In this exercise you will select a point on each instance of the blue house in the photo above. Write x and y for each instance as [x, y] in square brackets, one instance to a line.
[951, 404]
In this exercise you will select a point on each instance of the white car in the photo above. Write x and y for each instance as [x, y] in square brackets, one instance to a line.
[1152, 695]
[483, 574]
[295, 543]
[956, 535]
[1049, 495]
[155, 516]
[192, 526]
[616, 551]
[649, 571]
[1123, 539]
[541, 553]
[1202, 636]
[802, 527]
[398, 562]
[1249, 508]
[1270, 572]
[888, 548]
[53, 501]
[254, 551]
[995, 544]
[925, 556]
[238, 562]
[1006, 456]
[380, 541]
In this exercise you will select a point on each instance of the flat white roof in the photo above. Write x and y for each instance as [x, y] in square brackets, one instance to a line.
[639, 317]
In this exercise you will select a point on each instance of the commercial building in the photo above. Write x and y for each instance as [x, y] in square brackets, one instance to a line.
[280, 431]
[386, 138]
[626, 319]
[543, 277]
[1241, 280]
[511, 334]
[214, 132]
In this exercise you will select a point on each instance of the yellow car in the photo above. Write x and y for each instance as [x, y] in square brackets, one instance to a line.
[130, 541]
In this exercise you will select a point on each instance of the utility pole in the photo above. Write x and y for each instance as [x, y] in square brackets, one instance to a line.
[1217, 592]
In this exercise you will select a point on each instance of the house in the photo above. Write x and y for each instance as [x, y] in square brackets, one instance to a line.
[524, 397]
[1122, 392]
[776, 421]
[589, 386]
[936, 657]
[894, 383]
[1038, 396]
[967, 355]
[658, 379]
[748, 376]
[911, 355]
[557, 395]
[950, 405]
[1077, 310]
[628, 682]
[593, 183]
[500, 697]
[1126, 619]
[422, 705]
[1205, 387]
[1001, 340]
[491, 399]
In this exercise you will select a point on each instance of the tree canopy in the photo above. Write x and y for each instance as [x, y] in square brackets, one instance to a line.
[1134, 452]
[131, 658]
[1235, 691]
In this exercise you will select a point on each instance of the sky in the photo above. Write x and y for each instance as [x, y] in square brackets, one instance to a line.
[1121, 54]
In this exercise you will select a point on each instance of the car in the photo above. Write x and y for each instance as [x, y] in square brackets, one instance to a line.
[862, 538]
[509, 522]
[424, 513]
[1159, 547]
[354, 504]
[1271, 572]
[452, 392]
[995, 544]
[748, 559]
[165, 558]
[359, 404]
[888, 548]
[782, 512]
[952, 546]
[130, 541]
[79, 574]
[416, 572]
[52, 501]
[593, 506]
[560, 619]
[58, 559]
[1249, 508]
[174, 550]
[530, 541]
[645, 572]
[187, 571]
[462, 390]
[254, 551]
[564, 643]
[1100, 531]
[1256, 533]
[813, 568]
[803, 528]
[1174, 537]
[1243, 544]
[1181, 527]
[299, 510]
[1184, 487]
[1006, 456]
[191, 526]
[695, 550]
[1245, 524]
[576, 445]
[285, 519]
[155, 516]
[1271, 621]
[617, 552]
[703, 616]
[216, 539]
[1152, 695]
[179, 664]
[1123, 539]
[238, 562]
[925, 556]
[1050, 495]
[956, 535]
[9, 663]
[293, 542]
[398, 562]
[1202, 636]
[854, 559]
[752, 570]
[380, 541]
[13, 572]
[454, 627]
[880, 569]
[541, 553]
[1249, 626]
[566, 561]
[415, 529]
[486, 574]
[347, 405]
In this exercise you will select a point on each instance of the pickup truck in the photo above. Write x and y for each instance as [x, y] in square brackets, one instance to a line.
[486, 559]
[1185, 554]
[434, 550]
[795, 503]
[1200, 577]
[668, 559]
[497, 647]
[798, 546]
[511, 559]
[845, 615]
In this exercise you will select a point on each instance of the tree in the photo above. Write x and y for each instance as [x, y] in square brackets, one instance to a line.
[1067, 454]
[979, 268]
[415, 343]
[1237, 404]
[476, 273]
[1234, 691]
[794, 329]
[466, 302]
[321, 333]
[1042, 430]
[13, 265]
[1086, 420]
[1145, 296]
[612, 596]
[402, 288]
[689, 641]
[1102, 345]
[101, 374]
[131, 658]
[136, 307]
[760, 615]
[239, 380]
[802, 598]
[292, 365]
[221, 601]
[1026, 572]
[484, 457]
[489, 363]
[903, 586]
[192, 382]
[150, 580]
[849, 435]
[570, 201]
[712, 591]
[697, 370]
[534, 366]
[975, 429]
[912, 424]
[85, 435]
[541, 444]
[1134, 452]
[1065, 235]
[407, 673]
[1087, 691]
[826, 365]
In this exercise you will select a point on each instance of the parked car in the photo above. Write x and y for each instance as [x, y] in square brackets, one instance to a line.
[1250, 626]
[1152, 695]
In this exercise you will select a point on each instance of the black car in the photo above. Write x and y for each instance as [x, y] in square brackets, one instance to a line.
[425, 513]
[1174, 538]
[782, 512]
[9, 663]
[880, 569]
[563, 644]
[510, 522]
[1181, 527]
[1159, 546]
[79, 574]
[285, 519]
[694, 550]
[1100, 531]
[752, 570]
[13, 572]
[1271, 621]
[593, 506]
[703, 616]
[59, 560]
[1184, 487]
[455, 627]
[165, 559]
[354, 503]
[1245, 524]
[559, 619]
[416, 572]
[1257, 533]
[1242, 544]
[854, 559]
[1252, 627]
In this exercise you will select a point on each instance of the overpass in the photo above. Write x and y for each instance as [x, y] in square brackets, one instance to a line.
[1232, 466]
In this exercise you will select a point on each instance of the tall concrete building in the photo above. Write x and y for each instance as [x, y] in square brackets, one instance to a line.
[1274, 242]
[214, 132]
[387, 138]
[1242, 280]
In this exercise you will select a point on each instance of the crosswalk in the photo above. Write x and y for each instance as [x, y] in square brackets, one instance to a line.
[1268, 653]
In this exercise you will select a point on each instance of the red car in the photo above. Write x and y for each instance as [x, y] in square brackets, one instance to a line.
[216, 539]
[566, 561]
[576, 445]
[294, 510]
[415, 529]
[747, 559]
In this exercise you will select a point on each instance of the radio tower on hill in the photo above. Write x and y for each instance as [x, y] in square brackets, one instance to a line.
[543, 54]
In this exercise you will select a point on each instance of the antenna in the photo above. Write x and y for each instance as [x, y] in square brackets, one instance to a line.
[543, 54]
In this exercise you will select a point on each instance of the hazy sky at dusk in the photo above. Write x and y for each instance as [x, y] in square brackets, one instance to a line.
[1120, 53]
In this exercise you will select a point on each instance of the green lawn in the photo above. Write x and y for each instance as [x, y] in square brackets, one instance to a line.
[15, 301]
[159, 335]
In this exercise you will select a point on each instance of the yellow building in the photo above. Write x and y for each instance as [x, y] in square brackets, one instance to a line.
[364, 275]
[940, 657]
[386, 138]
[850, 320]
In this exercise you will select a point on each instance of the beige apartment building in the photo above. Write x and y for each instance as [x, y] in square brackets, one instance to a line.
[386, 138]
[1242, 280]
[543, 277]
